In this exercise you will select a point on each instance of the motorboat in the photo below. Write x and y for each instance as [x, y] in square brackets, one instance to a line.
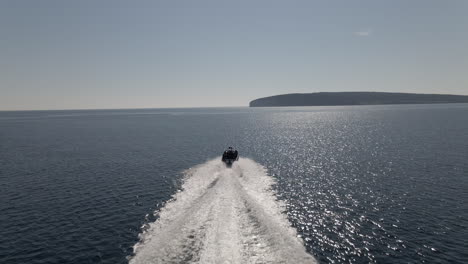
[229, 156]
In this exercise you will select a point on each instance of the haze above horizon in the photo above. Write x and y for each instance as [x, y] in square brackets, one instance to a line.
[155, 54]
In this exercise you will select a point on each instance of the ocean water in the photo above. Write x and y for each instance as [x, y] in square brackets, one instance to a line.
[355, 184]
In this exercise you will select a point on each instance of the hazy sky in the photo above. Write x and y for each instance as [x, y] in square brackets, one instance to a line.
[134, 54]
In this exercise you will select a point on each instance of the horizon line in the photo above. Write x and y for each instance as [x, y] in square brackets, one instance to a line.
[123, 108]
[195, 107]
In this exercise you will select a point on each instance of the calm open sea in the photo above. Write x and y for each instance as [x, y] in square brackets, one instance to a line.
[354, 184]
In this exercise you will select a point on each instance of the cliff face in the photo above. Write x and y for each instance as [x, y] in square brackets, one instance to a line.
[355, 98]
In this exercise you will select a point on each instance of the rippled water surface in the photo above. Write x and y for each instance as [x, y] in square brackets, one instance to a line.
[385, 184]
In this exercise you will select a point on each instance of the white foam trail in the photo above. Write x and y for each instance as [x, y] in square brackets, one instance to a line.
[222, 215]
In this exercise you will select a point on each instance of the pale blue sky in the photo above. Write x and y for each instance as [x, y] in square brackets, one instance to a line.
[139, 54]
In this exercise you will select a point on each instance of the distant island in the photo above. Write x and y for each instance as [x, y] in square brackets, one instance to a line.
[355, 98]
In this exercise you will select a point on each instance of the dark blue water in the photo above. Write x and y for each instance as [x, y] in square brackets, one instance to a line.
[386, 184]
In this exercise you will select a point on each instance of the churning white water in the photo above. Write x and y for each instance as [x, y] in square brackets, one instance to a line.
[222, 215]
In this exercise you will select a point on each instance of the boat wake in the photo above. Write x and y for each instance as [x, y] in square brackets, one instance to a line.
[222, 215]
